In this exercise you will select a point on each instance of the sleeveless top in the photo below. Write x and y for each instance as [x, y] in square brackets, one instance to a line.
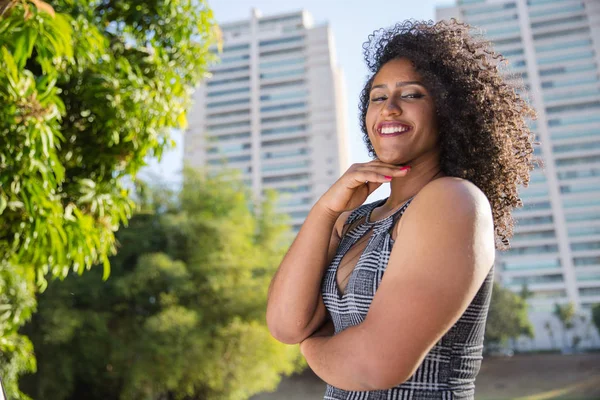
[449, 369]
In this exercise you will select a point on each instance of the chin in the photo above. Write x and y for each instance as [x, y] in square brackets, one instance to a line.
[389, 159]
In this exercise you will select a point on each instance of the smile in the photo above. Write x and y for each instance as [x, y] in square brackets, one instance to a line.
[392, 129]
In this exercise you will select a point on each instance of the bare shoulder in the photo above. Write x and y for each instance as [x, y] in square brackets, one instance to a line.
[453, 206]
[451, 195]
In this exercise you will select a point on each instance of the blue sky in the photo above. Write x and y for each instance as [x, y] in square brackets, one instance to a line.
[351, 22]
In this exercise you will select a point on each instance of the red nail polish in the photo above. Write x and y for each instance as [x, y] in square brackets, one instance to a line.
[388, 177]
[406, 167]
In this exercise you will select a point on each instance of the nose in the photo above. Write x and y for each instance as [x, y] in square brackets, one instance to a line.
[391, 107]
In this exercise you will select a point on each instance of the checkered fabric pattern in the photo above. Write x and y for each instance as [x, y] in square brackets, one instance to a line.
[448, 371]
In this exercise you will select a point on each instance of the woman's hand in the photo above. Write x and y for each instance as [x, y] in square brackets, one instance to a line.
[357, 183]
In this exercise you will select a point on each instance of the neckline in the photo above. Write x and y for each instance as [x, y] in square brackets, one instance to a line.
[379, 203]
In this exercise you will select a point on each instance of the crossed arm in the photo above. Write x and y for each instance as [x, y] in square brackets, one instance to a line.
[443, 251]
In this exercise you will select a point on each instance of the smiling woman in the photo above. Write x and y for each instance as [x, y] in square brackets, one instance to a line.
[388, 300]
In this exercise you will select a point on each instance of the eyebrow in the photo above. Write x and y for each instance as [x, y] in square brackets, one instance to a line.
[398, 84]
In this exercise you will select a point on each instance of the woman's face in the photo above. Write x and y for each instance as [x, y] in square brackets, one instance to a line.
[400, 117]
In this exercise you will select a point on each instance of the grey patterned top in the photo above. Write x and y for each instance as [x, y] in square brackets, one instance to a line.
[448, 371]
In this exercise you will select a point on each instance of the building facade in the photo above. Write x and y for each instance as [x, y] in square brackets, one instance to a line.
[274, 110]
[554, 47]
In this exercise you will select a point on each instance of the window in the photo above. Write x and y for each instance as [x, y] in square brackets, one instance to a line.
[227, 160]
[281, 74]
[226, 138]
[232, 148]
[245, 68]
[574, 120]
[228, 103]
[531, 264]
[558, 21]
[577, 146]
[580, 187]
[549, 294]
[583, 217]
[574, 133]
[219, 127]
[282, 119]
[568, 69]
[283, 167]
[574, 203]
[295, 189]
[560, 34]
[222, 115]
[535, 220]
[282, 142]
[583, 231]
[275, 42]
[229, 91]
[285, 153]
[585, 246]
[232, 59]
[593, 291]
[285, 178]
[583, 276]
[281, 107]
[226, 81]
[279, 85]
[490, 9]
[286, 129]
[528, 250]
[586, 173]
[573, 94]
[544, 205]
[572, 82]
[283, 95]
[281, 63]
[578, 160]
[573, 107]
[534, 235]
[570, 44]
[294, 51]
[236, 47]
[528, 280]
[566, 57]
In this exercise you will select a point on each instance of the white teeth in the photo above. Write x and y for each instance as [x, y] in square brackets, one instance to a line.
[394, 129]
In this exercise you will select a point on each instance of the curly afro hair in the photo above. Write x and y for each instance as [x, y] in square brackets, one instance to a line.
[483, 133]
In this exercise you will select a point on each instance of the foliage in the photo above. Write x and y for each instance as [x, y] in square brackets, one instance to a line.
[596, 316]
[182, 315]
[507, 317]
[88, 90]
[566, 315]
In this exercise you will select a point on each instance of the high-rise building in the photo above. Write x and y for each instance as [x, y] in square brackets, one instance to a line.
[554, 46]
[274, 110]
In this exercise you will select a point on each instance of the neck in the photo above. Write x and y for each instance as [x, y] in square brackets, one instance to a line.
[421, 173]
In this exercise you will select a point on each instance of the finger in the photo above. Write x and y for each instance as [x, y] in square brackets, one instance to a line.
[359, 178]
[385, 170]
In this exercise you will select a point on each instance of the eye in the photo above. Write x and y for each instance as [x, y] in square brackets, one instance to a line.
[378, 98]
[413, 96]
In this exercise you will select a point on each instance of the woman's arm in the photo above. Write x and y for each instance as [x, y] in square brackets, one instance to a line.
[295, 307]
[442, 254]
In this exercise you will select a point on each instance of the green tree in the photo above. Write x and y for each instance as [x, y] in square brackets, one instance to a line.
[548, 327]
[596, 316]
[88, 90]
[183, 313]
[566, 315]
[507, 317]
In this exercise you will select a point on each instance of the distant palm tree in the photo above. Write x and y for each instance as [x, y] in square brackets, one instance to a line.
[548, 327]
[566, 315]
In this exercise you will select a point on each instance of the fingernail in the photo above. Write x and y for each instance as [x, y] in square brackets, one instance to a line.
[406, 167]
[389, 178]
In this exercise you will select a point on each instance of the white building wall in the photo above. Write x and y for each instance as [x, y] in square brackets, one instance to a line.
[273, 110]
[554, 46]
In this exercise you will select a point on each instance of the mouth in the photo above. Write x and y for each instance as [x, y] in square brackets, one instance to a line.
[390, 129]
